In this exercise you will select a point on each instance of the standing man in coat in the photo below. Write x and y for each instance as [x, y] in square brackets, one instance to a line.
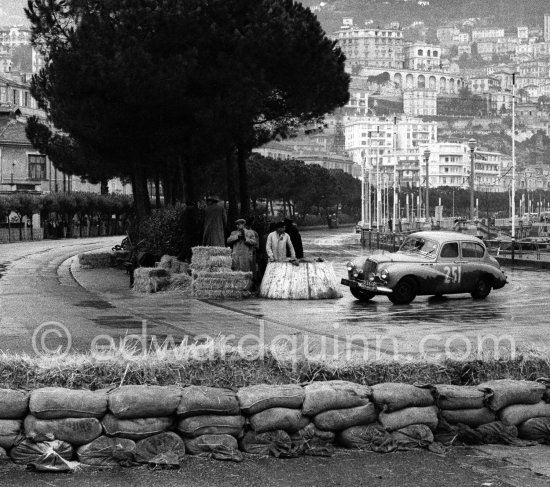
[243, 242]
[292, 231]
[215, 221]
[277, 244]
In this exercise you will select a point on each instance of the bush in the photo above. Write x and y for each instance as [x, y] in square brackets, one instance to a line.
[162, 232]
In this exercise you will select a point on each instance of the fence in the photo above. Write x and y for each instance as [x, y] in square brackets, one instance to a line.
[15, 234]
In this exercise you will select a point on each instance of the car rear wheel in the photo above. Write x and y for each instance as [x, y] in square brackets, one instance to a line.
[361, 294]
[482, 289]
[404, 292]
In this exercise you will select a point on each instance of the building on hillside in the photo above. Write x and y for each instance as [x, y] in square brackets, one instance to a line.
[484, 84]
[546, 28]
[380, 47]
[486, 49]
[464, 49]
[522, 32]
[537, 68]
[487, 33]
[420, 102]
[422, 56]
[446, 35]
[16, 92]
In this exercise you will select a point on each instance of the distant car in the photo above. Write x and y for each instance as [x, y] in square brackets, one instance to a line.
[428, 263]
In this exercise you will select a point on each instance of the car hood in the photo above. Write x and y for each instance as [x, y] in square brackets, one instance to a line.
[399, 257]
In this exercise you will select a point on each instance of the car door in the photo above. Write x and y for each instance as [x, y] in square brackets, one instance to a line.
[449, 269]
[472, 255]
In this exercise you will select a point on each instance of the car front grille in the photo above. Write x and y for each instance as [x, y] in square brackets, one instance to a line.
[369, 266]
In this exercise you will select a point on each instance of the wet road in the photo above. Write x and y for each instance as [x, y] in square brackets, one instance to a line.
[39, 285]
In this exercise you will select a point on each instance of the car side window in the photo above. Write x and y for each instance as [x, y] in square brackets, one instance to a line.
[472, 250]
[449, 251]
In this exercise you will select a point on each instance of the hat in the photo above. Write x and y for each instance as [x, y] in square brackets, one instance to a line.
[212, 198]
[239, 221]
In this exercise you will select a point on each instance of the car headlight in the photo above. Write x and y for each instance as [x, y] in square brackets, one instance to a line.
[350, 266]
[384, 274]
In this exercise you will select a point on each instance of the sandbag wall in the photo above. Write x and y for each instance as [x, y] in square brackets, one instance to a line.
[55, 428]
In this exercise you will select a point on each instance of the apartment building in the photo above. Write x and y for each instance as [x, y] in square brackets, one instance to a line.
[377, 47]
[419, 102]
[488, 33]
[422, 56]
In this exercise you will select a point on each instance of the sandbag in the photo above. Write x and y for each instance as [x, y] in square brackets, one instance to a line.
[14, 404]
[219, 447]
[518, 413]
[413, 436]
[536, 429]
[4, 458]
[313, 441]
[135, 429]
[289, 420]
[334, 394]
[458, 397]
[198, 400]
[52, 456]
[469, 417]
[59, 403]
[276, 443]
[166, 449]
[406, 417]
[128, 402]
[341, 419]
[371, 437]
[211, 425]
[392, 396]
[107, 452]
[76, 431]
[9, 431]
[504, 392]
[254, 399]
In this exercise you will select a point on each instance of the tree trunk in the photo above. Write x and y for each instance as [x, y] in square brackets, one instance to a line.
[242, 155]
[179, 182]
[189, 188]
[231, 186]
[142, 204]
[157, 191]
[21, 228]
[104, 185]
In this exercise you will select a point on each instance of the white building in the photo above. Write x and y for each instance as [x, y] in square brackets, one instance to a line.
[419, 102]
[422, 56]
[490, 33]
[547, 27]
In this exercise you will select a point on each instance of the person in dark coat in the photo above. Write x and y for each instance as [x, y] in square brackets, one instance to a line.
[292, 231]
[191, 226]
[215, 221]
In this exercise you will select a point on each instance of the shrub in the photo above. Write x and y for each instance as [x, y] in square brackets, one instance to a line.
[162, 232]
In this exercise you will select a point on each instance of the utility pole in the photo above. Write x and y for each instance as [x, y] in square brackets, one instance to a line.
[395, 203]
[513, 159]
[427, 159]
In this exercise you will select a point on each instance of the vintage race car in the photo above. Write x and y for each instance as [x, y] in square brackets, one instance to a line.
[428, 263]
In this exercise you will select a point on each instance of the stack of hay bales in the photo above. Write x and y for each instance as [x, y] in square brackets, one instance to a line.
[213, 277]
[463, 405]
[210, 421]
[170, 275]
[96, 260]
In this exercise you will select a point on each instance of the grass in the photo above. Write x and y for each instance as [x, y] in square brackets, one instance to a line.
[212, 365]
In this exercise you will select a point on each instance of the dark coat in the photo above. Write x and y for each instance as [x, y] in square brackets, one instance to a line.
[296, 240]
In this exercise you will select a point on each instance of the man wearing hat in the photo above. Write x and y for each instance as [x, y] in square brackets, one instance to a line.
[243, 242]
[215, 221]
[278, 242]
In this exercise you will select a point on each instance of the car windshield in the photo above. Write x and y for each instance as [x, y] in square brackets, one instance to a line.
[418, 244]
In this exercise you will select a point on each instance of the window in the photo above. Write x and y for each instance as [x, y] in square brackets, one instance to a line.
[472, 250]
[37, 166]
[449, 251]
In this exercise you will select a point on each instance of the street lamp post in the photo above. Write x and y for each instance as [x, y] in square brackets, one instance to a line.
[472, 145]
[427, 160]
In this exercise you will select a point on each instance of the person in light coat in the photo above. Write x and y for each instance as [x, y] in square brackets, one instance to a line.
[277, 244]
[243, 242]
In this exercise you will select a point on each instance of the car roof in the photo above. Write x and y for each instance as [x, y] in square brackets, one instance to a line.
[443, 236]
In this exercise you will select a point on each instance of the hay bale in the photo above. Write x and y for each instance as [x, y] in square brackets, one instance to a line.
[96, 260]
[181, 282]
[150, 279]
[222, 285]
[315, 280]
[173, 265]
[211, 259]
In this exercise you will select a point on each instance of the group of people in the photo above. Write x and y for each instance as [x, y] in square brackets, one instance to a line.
[253, 246]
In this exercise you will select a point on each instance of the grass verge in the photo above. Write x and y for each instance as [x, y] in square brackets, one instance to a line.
[210, 366]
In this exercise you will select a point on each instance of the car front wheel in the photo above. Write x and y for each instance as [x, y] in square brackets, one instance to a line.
[404, 292]
[361, 294]
[482, 289]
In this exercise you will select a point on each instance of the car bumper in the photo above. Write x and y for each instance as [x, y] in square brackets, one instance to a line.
[367, 286]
